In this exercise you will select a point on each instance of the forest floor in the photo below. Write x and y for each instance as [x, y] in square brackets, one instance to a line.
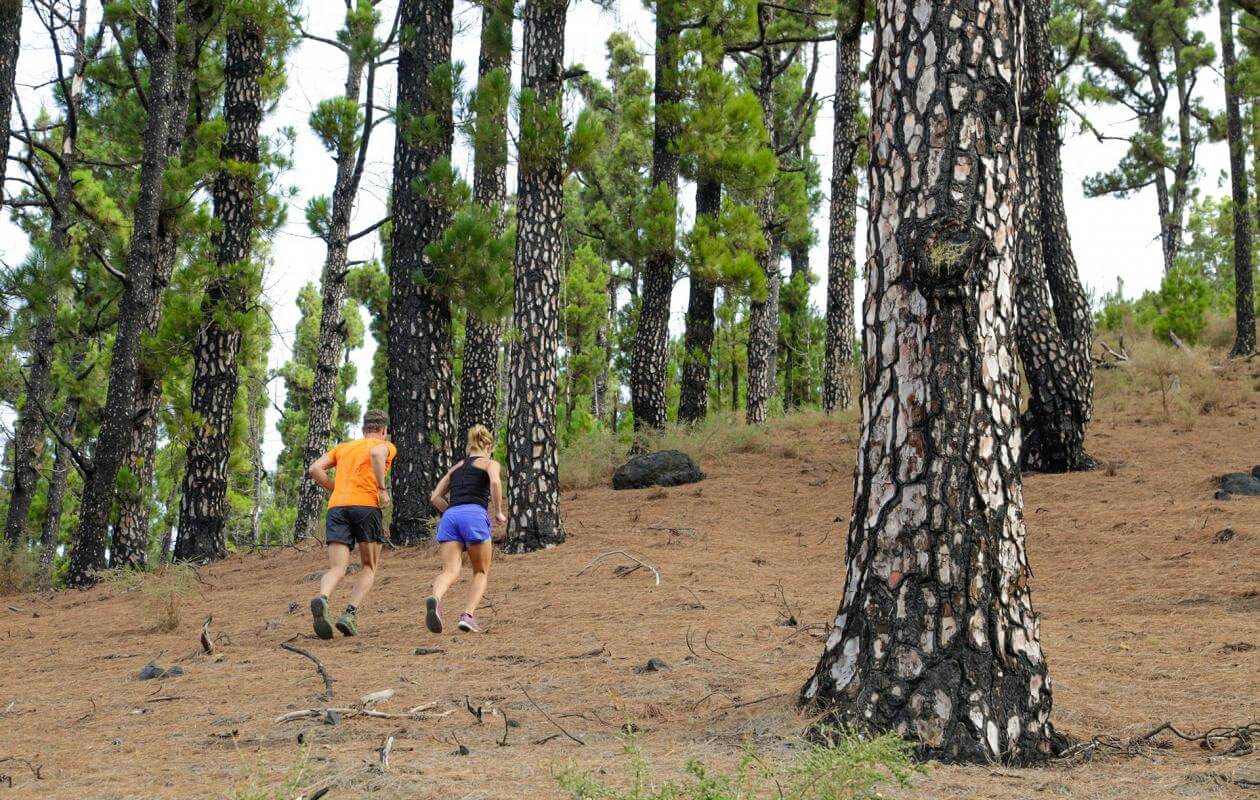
[1149, 616]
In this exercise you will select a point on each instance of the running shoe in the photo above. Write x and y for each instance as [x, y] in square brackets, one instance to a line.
[348, 624]
[320, 619]
[468, 623]
[433, 614]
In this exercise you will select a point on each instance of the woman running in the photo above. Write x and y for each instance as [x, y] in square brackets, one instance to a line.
[462, 496]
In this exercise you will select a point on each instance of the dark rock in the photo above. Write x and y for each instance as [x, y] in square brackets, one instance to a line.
[150, 671]
[1221, 494]
[663, 468]
[1224, 535]
[462, 751]
[174, 672]
[429, 651]
[331, 717]
[655, 664]
[294, 607]
[1240, 483]
[1255, 471]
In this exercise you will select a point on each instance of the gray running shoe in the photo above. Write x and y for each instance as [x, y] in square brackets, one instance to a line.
[433, 614]
[320, 619]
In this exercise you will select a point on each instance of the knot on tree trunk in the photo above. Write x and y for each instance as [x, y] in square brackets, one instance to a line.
[941, 251]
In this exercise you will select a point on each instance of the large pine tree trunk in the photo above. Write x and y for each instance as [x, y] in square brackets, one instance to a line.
[478, 386]
[203, 509]
[419, 312]
[1056, 326]
[534, 520]
[841, 258]
[936, 637]
[1244, 298]
[131, 531]
[763, 335]
[88, 553]
[693, 400]
[651, 342]
[10, 48]
[332, 325]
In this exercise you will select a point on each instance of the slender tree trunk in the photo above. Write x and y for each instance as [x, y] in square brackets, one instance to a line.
[420, 375]
[257, 418]
[763, 321]
[651, 342]
[534, 520]
[1055, 328]
[477, 387]
[796, 308]
[67, 424]
[693, 401]
[1244, 298]
[88, 553]
[841, 258]
[332, 326]
[134, 500]
[936, 637]
[603, 343]
[10, 48]
[203, 510]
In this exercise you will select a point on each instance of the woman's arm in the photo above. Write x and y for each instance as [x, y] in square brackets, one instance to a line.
[319, 472]
[438, 498]
[496, 492]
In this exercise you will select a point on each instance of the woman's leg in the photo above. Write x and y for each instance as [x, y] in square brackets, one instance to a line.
[370, 557]
[451, 554]
[479, 555]
[338, 560]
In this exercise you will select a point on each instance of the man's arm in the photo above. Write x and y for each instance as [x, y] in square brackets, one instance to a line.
[438, 498]
[496, 492]
[380, 458]
[319, 472]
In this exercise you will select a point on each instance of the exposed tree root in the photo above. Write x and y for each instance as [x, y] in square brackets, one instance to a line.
[1241, 738]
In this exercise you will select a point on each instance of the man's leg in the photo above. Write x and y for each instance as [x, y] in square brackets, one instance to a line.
[338, 560]
[369, 557]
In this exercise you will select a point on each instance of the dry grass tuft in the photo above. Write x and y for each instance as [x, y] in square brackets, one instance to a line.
[158, 596]
[18, 570]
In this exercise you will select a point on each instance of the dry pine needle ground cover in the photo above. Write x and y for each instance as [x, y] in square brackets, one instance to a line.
[1149, 615]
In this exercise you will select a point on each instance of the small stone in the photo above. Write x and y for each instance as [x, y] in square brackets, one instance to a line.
[173, 672]
[376, 697]
[429, 651]
[1224, 535]
[150, 671]
[462, 751]
[294, 607]
[331, 717]
[1221, 494]
[655, 664]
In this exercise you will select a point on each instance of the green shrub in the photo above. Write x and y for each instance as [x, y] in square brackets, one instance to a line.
[1182, 303]
[844, 766]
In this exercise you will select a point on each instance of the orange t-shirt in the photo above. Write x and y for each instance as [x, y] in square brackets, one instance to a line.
[354, 484]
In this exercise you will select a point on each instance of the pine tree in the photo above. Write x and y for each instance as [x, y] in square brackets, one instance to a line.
[10, 48]
[420, 377]
[479, 381]
[216, 376]
[647, 369]
[88, 553]
[847, 145]
[1244, 293]
[936, 637]
[344, 125]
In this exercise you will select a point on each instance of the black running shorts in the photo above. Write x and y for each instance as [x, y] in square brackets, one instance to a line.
[350, 525]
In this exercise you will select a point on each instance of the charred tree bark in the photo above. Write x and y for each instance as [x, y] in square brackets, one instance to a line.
[795, 308]
[131, 532]
[936, 637]
[763, 335]
[534, 520]
[67, 424]
[88, 553]
[651, 342]
[351, 159]
[419, 373]
[1244, 297]
[603, 342]
[478, 401]
[841, 259]
[693, 401]
[1056, 328]
[10, 48]
[203, 511]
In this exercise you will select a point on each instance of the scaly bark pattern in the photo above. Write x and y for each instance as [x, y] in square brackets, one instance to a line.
[936, 637]
[419, 371]
[10, 48]
[534, 481]
[88, 551]
[841, 264]
[693, 400]
[1244, 297]
[203, 509]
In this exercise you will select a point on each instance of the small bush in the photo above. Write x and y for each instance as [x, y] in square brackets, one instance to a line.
[256, 788]
[159, 595]
[845, 767]
[19, 569]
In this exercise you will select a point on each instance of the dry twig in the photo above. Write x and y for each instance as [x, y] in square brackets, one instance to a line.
[327, 696]
[550, 719]
[636, 559]
[207, 644]
[1242, 737]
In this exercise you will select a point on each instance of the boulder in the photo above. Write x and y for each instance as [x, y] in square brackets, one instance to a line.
[1239, 483]
[663, 468]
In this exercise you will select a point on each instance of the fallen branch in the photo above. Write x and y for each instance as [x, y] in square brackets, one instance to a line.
[503, 742]
[207, 644]
[416, 713]
[543, 711]
[385, 750]
[319, 666]
[1243, 738]
[635, 559]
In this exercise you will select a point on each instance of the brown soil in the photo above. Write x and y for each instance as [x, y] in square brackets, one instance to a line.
[1146, 619]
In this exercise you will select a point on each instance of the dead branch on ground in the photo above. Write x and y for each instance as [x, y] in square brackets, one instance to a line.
[636, 559]
[1243, 739]
[327, 696]
[348, 712]
[207, 644]
[550, 719]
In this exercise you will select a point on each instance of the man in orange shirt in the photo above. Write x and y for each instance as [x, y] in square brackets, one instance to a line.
[354, 517]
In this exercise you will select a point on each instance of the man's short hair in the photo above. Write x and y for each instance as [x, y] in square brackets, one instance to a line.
[375, 421]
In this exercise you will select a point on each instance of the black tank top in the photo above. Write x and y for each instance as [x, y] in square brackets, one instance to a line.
[470, 485]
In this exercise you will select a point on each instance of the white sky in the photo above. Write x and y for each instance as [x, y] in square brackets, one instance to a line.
[1111, 237]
